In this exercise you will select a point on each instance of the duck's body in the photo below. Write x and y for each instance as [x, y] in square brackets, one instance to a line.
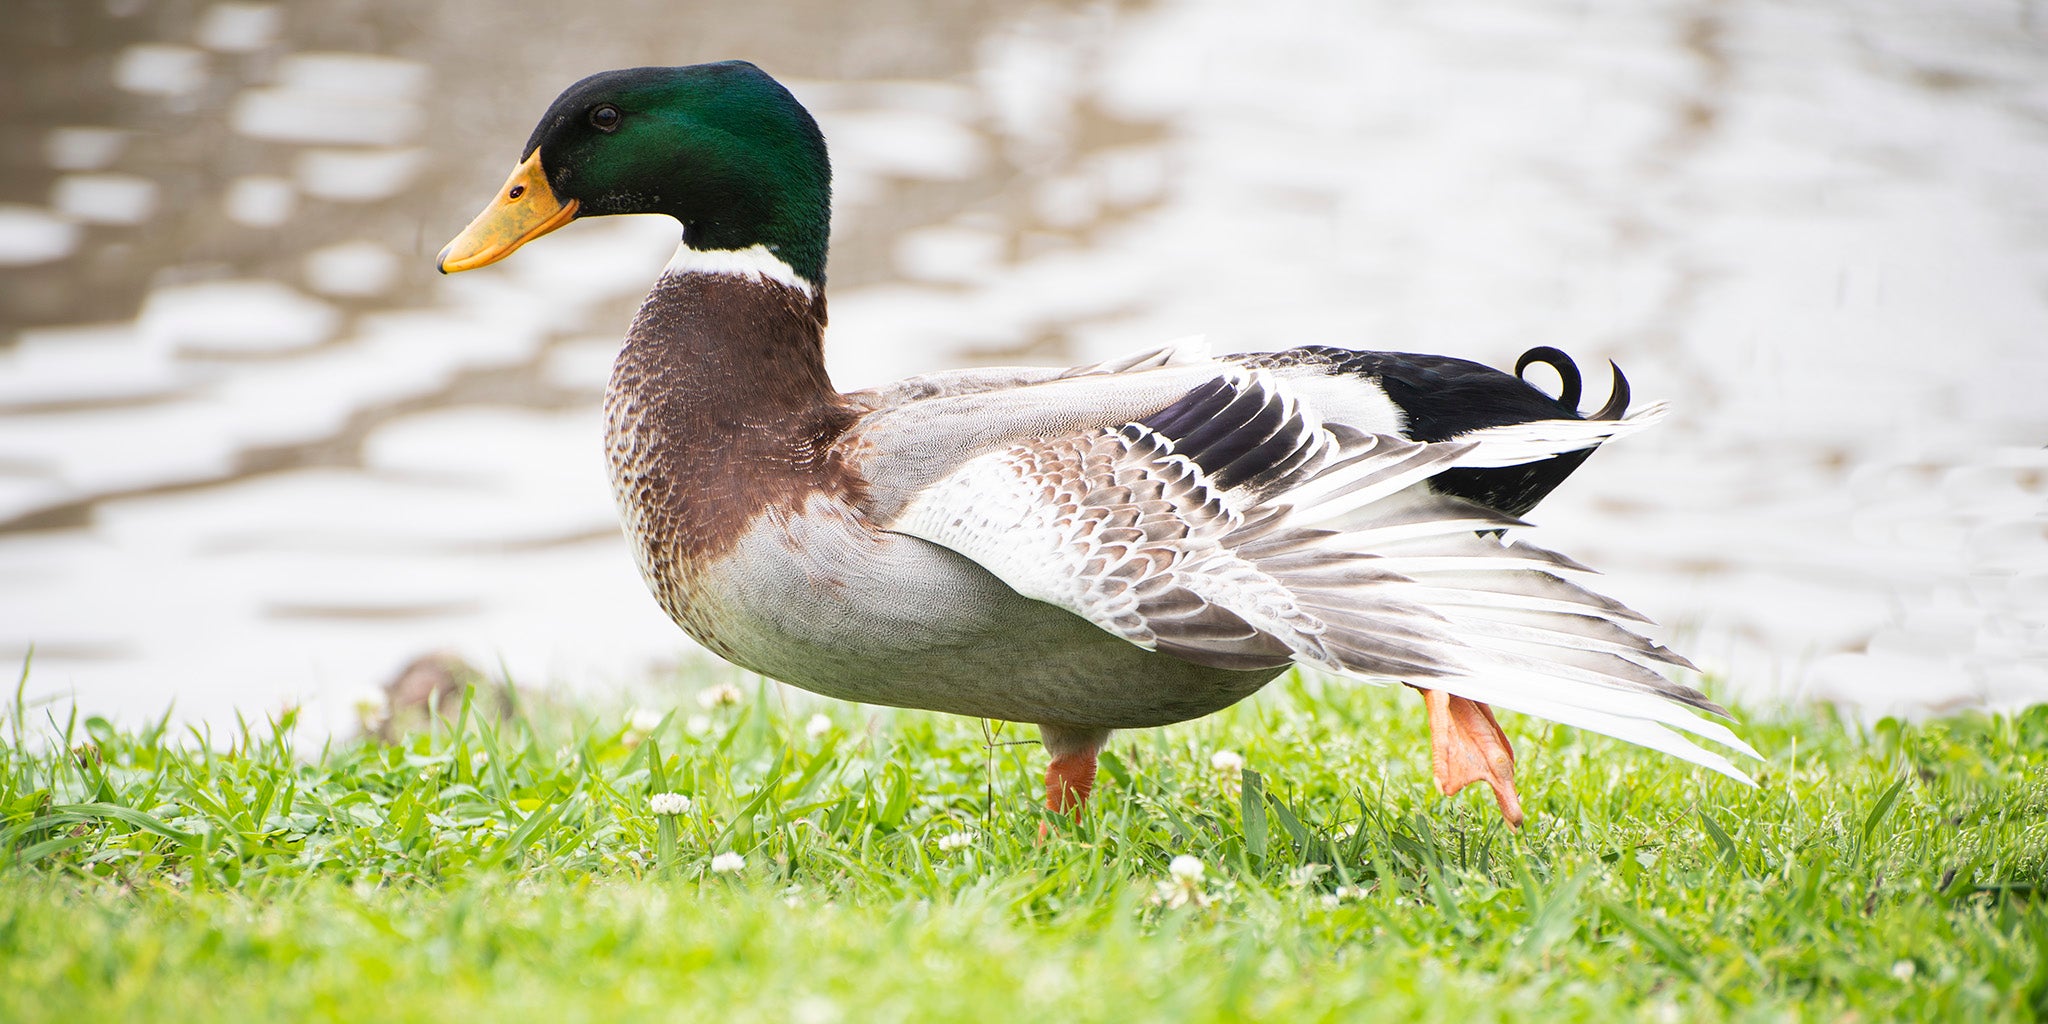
[1107, 547]
[763, 519]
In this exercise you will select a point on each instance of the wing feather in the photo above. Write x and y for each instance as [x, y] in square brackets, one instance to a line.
[1234, 528]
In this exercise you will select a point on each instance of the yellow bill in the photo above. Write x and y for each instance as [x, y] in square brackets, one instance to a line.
[525, 209]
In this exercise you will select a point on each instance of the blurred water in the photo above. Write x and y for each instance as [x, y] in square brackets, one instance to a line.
[253, 451]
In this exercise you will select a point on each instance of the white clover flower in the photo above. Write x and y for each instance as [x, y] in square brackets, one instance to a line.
[697, 725]
[956, 841]
[1904, 970]
[818, 726]
[1227, 761]
[640, 724]
[669, 803]
[724, 695]
[1345, 893]
[1331, 900]
[1185, 885]
[1305, 875]
[727, 862]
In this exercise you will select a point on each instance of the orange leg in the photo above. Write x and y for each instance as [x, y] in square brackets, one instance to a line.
[1071, 775]
[1467, 746]
[1068, 781]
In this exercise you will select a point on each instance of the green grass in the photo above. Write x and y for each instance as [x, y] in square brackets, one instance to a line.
[516, 871]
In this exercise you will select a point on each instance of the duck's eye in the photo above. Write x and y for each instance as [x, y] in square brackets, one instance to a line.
[604, 117]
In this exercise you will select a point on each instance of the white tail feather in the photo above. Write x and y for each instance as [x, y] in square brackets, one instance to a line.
[1519, 443]
[1514, 633]
[1604, 715]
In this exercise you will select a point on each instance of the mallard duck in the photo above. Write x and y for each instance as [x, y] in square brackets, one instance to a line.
[1115, 546]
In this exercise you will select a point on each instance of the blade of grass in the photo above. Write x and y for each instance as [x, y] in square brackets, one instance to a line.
[1251, 802]
[1884, 806]
[1723, 840]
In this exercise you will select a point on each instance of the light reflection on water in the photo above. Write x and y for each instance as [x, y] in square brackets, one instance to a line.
[253, 451]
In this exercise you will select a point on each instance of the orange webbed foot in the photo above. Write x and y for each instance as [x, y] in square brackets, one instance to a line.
[1467, 746]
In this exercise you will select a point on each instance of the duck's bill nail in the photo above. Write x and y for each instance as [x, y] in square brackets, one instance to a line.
[525, 209]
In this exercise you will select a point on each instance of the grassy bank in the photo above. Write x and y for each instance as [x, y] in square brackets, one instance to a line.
[892, 867]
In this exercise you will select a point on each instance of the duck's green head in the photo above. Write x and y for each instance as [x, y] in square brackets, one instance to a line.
[723, 148]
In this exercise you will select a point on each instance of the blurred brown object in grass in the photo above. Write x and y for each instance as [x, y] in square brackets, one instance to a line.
[433, 685]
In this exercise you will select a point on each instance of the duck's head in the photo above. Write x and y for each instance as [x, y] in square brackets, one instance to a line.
[723, 148]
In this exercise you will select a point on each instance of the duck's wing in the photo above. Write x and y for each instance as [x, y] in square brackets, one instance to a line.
[983, 380]
[903, 449]
[948, 384]
[1234, 527]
